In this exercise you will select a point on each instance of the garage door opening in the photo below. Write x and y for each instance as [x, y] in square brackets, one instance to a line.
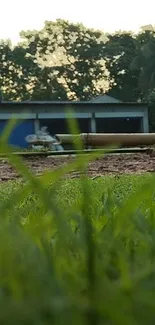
[60, 126]
[118, 125]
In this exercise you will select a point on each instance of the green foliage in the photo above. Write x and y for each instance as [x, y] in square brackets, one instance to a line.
[69, 57]
[144, 61]
[16, 72]
[120, 50]
[73, 251]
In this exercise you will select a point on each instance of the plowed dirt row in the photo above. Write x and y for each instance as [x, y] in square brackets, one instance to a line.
[109, 164]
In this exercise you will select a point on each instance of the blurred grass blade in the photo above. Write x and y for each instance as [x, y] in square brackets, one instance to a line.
[144, 192]
[74, 129]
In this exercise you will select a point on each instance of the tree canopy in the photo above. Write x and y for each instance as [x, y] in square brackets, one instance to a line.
[70, 61]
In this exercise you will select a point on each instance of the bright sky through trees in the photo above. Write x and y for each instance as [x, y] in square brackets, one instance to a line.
[111, 15]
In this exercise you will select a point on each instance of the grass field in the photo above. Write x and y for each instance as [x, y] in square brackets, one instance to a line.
[77, 251]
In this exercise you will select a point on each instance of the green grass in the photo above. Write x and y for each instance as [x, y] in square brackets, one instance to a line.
[77, 251]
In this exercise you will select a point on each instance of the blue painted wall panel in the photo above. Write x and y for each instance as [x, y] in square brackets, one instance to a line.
[17, 137]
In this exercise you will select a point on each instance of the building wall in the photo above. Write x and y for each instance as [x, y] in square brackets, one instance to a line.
[35, 114]
[59, 109]
[18, 134]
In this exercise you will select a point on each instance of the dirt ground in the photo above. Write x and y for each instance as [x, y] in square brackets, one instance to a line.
[109, 164]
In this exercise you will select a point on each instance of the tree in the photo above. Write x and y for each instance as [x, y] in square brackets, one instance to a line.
[119, 52]
[144, 61]
[69, 61]
[17, 72]
[70, 58]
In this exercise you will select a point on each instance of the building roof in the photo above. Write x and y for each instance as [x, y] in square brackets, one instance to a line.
[105, 99]
[70, 103]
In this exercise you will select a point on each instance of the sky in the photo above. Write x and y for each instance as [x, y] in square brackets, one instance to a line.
[108, 15]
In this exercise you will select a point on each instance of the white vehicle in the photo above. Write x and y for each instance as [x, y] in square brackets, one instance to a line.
[43, 139]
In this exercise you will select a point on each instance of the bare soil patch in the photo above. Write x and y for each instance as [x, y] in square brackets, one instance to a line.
[109, 164]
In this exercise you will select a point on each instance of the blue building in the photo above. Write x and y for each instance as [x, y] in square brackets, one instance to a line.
[102, 114]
